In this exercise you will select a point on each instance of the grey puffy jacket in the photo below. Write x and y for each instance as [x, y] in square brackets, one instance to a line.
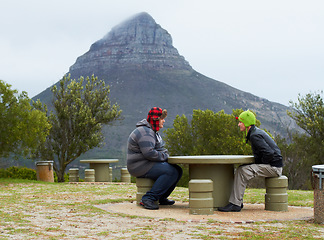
[144, 149]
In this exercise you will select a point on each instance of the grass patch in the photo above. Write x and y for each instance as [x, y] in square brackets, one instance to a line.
[295, 197]
[105, 201]
[276, 230]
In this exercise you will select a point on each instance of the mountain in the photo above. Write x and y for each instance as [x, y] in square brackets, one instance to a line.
[143, 69]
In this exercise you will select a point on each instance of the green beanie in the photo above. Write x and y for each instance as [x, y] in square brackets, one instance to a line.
[247, 118]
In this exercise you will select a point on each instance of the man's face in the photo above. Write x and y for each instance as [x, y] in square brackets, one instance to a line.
[161, 122]
[241, 126]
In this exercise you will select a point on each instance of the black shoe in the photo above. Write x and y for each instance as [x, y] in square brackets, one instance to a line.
[166, 201]
[149, 204]
[230, 208]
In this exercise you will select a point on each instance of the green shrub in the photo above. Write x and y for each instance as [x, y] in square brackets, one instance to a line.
[19, 173]
[184, 180]
[66, 177]
[3, 173]
[133, 179]
[24, 173]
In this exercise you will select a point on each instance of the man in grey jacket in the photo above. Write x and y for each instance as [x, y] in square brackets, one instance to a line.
[267, 160]
[147, 158]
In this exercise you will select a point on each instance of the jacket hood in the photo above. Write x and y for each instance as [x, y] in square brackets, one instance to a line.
[143, 122]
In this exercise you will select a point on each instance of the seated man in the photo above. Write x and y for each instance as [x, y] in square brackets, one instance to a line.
[268, 161]
[147, 158]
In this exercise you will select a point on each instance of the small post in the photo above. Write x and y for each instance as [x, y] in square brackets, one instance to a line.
[143, 185]
[201, 197]
[125, 176]
[89, 175]
[110, 175]
[74, 175]
[276, 197]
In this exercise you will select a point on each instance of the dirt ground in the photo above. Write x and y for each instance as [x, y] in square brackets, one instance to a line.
[81, 211]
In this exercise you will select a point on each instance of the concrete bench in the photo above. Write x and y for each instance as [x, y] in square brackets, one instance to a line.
[201, 200]
[143, 185]
[74, 175]
[124, 175]
[276, 197]
[89, 175]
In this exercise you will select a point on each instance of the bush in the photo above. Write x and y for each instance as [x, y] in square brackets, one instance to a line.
[184, 180]
[24, 173]
[3, 173]
[18, 173]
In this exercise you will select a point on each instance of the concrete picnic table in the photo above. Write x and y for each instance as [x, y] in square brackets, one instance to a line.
[101, 167]
[219, 168]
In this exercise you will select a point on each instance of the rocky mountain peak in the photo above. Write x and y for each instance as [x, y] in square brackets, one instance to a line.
[140, 29]
[138, 41]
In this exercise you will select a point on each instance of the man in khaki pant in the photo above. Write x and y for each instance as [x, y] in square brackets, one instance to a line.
[268, 161]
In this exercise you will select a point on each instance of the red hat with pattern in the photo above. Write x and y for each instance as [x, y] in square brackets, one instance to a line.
[154, 115]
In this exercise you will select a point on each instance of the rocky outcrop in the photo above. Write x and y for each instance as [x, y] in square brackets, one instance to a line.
[137, 42]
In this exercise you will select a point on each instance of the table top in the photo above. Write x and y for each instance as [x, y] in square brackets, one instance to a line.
[212, 159]
[98, 160]
[318, 168]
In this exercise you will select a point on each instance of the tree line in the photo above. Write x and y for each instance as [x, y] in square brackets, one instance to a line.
[82, 106]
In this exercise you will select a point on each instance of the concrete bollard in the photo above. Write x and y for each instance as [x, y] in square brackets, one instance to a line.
[143, 185]
[74, 175]
[201, 197]
[44, 171]
[276, 197]
[89, 175]
[110, 175]
[125, 176]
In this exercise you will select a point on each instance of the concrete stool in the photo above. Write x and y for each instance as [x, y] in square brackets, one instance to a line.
[74, 175]
[276, 197]
[89, 175]
[201, 197]
[143, 185]
[110, 175]
[125, 176]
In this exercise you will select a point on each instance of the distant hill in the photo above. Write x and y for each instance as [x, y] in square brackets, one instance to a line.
[137, 59]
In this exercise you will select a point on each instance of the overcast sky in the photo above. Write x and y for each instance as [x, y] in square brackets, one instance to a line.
[272, 49]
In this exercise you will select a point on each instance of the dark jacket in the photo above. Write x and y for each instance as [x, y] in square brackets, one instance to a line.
[264, 148]
[144, 148]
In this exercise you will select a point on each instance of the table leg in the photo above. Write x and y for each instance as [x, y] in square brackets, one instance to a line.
[222, 176]
[101, 172]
